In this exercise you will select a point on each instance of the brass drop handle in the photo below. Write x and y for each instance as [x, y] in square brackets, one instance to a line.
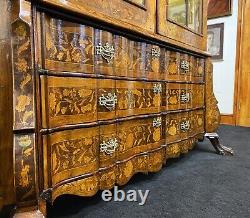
[156, 52]
[157, 122]
[185, 97]
[107, 51]
[184, 66]
[109, 147]
[185, 125]
[108, 101]
[157, 88]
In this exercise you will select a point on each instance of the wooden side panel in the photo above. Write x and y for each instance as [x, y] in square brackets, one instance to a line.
[24, 150]
[73, 153]
[212, 111]
[68, 100]
[137, 97]
[68, 46]
[23, 76]
[25, 177]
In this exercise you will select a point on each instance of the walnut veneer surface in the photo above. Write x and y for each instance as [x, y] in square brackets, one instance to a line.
[93, 105]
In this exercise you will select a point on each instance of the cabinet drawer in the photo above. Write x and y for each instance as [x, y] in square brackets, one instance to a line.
[72, 153]
[68, 46]
[178, 126]
[68, 101]
[197, 120]
[136, 13]
[198, 95]
[138, 97]
[138, 136]
[199, 70]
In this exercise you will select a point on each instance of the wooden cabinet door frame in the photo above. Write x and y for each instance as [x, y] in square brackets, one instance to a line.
[178, 32]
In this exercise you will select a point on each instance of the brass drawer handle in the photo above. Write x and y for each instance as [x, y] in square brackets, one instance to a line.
[185, 97]
[109, 147]
[185, 66]
[157, 122]
[185, 125]
[157, 88]
[108, 101]
[156, 52]
[107, 51]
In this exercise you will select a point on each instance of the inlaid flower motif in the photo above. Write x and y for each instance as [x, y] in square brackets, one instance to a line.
[24, 176]
[22, 102]
[22, 65]
[21, 31]
[52, 101]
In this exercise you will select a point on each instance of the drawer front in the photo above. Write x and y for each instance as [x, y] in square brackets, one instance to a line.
[172, 96]
[73, 153]
[138, 97]
[152, 66]
[68, 101]
[104, 52]
[172, 65]
[198, 95]
[198, 74]
[68, 46]
[197, 120]
[138, 136]
[136, 13]
[137, 59]
[108, 145]
[178, 126]
[107, 99]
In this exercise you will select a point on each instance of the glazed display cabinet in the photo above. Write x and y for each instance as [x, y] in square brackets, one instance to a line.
[93, 92]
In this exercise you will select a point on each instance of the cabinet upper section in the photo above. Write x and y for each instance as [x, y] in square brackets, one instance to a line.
[181, 22]
[137, 13]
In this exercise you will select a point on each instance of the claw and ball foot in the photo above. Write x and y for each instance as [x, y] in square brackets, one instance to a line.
[220, 149]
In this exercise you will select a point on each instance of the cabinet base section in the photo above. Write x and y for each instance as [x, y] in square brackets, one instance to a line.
[121, 173]
[220, 149]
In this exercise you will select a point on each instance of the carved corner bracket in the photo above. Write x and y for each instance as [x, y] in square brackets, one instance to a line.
[212, 110]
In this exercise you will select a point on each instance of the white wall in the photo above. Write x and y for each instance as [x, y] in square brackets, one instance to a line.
[224, 71]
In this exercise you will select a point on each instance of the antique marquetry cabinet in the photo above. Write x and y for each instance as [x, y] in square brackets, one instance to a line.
[96, 91]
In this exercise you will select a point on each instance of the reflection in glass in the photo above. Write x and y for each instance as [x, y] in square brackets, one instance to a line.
[177, 11]
[186, 12]
[194, 15]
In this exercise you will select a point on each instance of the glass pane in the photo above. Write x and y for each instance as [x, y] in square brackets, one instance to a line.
[195, 15]
[177, 11]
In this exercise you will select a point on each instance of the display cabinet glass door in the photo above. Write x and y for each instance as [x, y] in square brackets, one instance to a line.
[183, 21]
[186, 12]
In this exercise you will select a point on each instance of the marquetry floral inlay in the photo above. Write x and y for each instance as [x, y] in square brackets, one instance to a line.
[70, 101]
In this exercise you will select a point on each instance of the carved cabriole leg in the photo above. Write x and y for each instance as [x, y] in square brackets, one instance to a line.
[213, 113]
